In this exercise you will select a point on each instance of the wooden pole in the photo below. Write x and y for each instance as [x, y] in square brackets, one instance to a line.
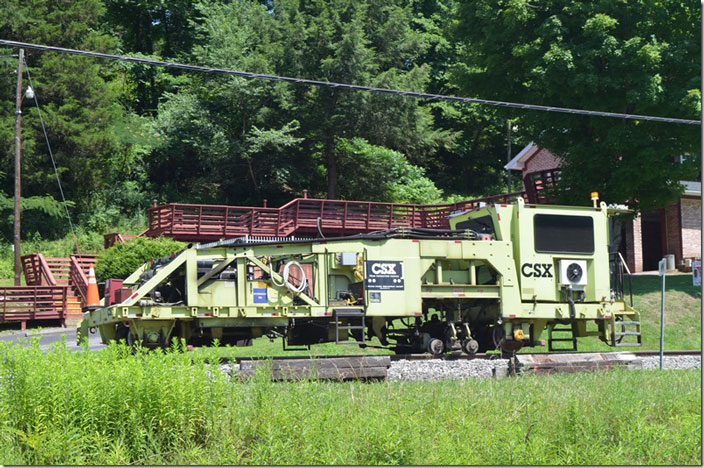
[18, 128]
[508, 155]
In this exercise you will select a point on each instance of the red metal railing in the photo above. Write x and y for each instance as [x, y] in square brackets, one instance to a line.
[72, 271]
[78, 273]
[22, 303]
[37, 271]
[114, 238]
[300, 216]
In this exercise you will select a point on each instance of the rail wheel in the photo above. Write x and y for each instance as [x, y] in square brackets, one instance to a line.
[435, 347]
[470, 346]
[132, 342]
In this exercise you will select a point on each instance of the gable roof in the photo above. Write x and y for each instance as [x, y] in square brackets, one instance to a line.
[519, 162]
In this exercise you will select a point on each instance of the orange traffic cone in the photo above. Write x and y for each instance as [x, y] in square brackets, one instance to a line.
[92, 296]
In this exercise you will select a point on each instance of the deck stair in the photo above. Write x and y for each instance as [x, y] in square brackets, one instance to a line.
[70, 273]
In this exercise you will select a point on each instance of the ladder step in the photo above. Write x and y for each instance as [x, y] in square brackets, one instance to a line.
[628, 344]
[350, 327]
[626, 323]
[627, 333]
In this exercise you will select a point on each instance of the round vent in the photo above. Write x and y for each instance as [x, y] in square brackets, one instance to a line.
[574, 272]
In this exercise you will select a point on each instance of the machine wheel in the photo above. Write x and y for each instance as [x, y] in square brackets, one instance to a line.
[470, 346]
[132, 342]
[121, 332]
[435, 347]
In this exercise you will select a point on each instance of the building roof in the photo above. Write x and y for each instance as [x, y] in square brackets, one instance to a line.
[692, 188]
[519, 162]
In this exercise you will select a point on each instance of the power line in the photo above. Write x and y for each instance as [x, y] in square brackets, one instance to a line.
[440, 97]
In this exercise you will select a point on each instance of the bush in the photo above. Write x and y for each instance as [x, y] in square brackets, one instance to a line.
[122, 260]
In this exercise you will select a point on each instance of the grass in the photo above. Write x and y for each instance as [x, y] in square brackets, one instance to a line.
[683, 324]
[110, 407]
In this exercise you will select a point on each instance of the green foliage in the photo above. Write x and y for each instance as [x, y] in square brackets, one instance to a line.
[629, 57]
[110, 407]
[80, 105]
[123, 259]
[240, 140]
[402, 182]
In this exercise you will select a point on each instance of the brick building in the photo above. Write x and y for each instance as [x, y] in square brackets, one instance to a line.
[652, 235]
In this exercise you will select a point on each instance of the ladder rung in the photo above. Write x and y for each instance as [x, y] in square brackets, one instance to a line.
[562, 339]
[631, 333]
[628, 344]
[349, 313]
[350, 327]
[626, 323]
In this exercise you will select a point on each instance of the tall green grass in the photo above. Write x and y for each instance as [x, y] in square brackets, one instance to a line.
[112, 407]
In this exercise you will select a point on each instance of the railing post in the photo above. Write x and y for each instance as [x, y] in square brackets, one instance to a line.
[65, 304]
[298, 209]
[34, 311]
[173, 218]
[251, 221]
[391, 215]
[224, 225]
[369, 213]
[344, 216]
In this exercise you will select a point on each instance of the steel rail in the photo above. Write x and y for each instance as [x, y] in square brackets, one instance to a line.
[454, 356]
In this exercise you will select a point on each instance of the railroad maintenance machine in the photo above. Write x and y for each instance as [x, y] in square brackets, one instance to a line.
[503, 276]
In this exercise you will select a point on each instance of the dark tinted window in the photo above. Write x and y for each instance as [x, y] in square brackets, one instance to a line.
[563, 234]
[482, 225]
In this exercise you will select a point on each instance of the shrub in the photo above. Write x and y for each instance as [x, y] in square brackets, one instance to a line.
[123, 259]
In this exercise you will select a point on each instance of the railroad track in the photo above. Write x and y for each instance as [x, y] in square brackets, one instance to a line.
[366, 367]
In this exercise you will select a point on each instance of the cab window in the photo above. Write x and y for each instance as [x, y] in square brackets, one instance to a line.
[563, 234]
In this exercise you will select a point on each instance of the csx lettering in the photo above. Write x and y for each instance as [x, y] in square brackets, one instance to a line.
[536, 270]
[384, 268]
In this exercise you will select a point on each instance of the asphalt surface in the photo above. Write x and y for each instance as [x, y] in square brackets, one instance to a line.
[48, 337]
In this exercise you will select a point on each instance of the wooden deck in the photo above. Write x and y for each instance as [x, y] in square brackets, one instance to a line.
[301, 216]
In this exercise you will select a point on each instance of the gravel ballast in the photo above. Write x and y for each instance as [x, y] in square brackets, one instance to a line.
[432, 370]
[672, 362]
[436, 370]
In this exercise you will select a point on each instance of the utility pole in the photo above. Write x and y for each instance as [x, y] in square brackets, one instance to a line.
[18, 128]
[508, 155]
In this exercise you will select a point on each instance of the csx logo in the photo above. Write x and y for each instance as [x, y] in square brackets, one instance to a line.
[536, 270]
[384, 268]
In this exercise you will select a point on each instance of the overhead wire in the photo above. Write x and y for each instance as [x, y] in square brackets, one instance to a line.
[53, 160]
[329, 84]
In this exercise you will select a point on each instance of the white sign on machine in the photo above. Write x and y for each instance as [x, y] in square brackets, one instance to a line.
[697, 273]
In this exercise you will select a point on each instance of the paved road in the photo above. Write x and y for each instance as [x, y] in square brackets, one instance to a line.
[49, 337]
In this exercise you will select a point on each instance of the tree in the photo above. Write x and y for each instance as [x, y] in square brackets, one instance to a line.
[402, 182]
[369, 43]
[632, 57]
[80, 104]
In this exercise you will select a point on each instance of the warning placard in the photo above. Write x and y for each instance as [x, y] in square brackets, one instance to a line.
[697, 273]
[383, 275]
